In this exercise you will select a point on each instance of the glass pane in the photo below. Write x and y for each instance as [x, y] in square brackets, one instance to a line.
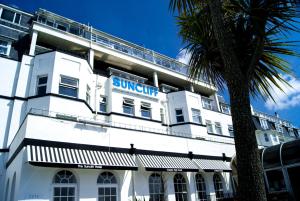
[107, 198]
[17, 18]
[113, 191]
[56, 199]
[71, 191]
[69, 81]
[43, 80]
[68, 91]
[71, 199]
[178, 112]
[64, 191]
[113, 198]
[180, 118]
[8, 15]
[100, 191]
[41, 90]
[56, 191]
[107, 191]
[101, 198]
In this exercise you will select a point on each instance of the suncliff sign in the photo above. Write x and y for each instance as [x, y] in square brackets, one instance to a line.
[131, 86]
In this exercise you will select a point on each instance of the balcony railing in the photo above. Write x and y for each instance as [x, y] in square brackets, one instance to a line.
[103, 39]
[113, 124]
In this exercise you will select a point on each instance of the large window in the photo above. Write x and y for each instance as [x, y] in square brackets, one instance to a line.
[179, 115]
[88, 94]
[196, 116]
[218, 184]
[4, 47]
[209, 126]
[181, 193]
[264, 124]
[103, 104]
[64, 186]
[146, 110]
[128, 106]
[156, 187]
[201, 189]
[207, 103]
[218, 128]
[68, 86]
[11, 16]
[107, 187]
[41, 85]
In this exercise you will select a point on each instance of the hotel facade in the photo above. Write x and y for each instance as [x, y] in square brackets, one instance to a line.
[89, 116]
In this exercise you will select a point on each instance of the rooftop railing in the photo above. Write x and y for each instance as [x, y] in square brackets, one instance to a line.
[103, 39]
[113, 124]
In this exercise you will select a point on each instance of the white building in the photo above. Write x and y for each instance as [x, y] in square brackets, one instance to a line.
[88, 116]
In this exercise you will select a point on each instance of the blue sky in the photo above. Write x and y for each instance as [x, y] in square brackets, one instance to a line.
[151, 24]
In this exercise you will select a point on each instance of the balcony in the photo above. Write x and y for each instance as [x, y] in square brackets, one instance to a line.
[105, 40]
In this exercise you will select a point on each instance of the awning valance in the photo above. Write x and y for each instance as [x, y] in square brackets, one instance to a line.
[167, 163]
[79, 158]
[209, 165]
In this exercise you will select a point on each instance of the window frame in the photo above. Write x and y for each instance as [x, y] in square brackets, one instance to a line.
[41, 85]
[209, 122]
[203, 190]
[179, 115]
[146, 107]
[128, 103]
[107, 185]
[14, 18]
[184, 195]
[196, 116]
[64, 185]
[218, 127]
[7, 47]
[69, 86]
[218, 191]
[88, 94]
[207, 103]
[103, 103]
[162, 190]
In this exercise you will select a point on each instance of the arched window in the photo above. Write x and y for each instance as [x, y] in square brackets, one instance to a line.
[12, 189]
[64, 186]
[180, 188]
[218, 187]
[201, 189]
[108, 187]
[156, 187]
[6, 191]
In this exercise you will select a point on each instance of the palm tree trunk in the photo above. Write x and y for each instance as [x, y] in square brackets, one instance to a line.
[250, 179]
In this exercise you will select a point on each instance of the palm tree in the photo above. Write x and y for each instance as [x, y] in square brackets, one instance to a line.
[240, 43]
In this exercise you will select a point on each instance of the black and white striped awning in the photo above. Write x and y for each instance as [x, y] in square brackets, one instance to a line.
[79, 158]
[209, 165]
[167, 163]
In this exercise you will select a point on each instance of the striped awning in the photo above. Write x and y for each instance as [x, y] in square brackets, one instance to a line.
[167, 163]
[212, 165]
[79, 158]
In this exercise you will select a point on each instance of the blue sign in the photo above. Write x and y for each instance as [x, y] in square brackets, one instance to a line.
[134, 86]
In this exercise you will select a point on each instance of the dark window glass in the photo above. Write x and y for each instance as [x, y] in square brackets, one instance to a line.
[156, 187]
[275, 180]
[201, 189]
[17, 18]
[42, 85]
[180, 188]
[8, 15]
[218, 187]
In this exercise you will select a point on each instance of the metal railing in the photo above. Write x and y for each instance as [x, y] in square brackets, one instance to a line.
[113, 124]
[103, 39]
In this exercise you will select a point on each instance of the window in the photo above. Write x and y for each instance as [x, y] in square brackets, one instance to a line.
[196, 116]
[218, 128]
[279, 128]
[107, 187]
[230, 130]
[11, 16]
[180, 188]
[128, 106]
[275, 180]
[103, 104]
[201, 189]
[6, 191]
[266, 137]
[156, 187]
[274, 137]
[4, 47]
[64, 186]
[146, 110]
[209, 126]
[13, 188]
[162, 116]
[225, 108]
[264, 124]
[68, 86]
[218, 187]
[88, 94]
[41, 85]
[179, 115]
[207, 103]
